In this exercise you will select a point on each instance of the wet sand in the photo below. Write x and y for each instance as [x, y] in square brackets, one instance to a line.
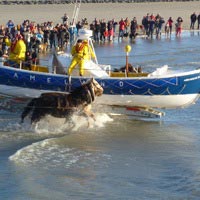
[42, 13]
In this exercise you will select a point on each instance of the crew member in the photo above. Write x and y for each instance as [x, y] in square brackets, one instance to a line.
[80, 55]
[90, 53]
[17, 51]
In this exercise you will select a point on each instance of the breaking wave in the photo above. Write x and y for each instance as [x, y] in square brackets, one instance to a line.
[51, 151]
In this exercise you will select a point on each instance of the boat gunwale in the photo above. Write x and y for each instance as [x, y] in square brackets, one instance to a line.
[167, 75]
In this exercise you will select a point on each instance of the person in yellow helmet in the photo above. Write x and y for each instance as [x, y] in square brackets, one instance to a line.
[90, 52]
[17, 51]
[81, 52]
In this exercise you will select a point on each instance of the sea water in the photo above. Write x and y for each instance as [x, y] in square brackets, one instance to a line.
[112, 157]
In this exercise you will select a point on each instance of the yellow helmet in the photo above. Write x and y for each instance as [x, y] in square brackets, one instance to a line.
[85, 41]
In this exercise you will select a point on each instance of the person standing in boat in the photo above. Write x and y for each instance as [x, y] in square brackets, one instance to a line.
[82, 52]
[17, 52]
[80, 55]
[90, 53]
[28, 60]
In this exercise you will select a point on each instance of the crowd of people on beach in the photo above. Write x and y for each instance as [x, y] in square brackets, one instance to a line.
[46, 36]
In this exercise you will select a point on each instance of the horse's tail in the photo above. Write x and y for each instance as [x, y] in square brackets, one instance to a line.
[27, 109]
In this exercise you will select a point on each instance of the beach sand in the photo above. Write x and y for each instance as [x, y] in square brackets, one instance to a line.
[107, 11]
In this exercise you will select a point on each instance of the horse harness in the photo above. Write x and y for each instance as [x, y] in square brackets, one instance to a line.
[69, 101]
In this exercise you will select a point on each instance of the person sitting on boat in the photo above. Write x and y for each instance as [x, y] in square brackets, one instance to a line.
[30, 59]
[80, 55]
[17, 52]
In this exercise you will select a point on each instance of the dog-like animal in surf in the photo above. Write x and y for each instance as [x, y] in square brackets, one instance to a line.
[63, 105]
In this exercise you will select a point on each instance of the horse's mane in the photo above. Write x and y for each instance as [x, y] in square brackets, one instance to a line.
[82, 88]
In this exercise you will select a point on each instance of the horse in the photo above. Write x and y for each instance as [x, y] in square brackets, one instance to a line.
[62, 105]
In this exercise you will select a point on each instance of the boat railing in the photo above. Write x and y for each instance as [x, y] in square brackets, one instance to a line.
[106, 68]
[130, 74]
[23, 66]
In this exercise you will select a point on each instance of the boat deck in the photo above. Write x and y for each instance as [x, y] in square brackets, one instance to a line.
[130, 74]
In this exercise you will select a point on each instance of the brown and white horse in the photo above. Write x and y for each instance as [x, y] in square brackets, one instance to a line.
[63, 105]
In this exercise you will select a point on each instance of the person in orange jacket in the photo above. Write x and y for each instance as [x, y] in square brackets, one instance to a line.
[17, 51]
[81, 53]
[90, 53]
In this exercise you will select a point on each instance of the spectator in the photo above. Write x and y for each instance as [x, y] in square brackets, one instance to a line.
[114, 26]
[10, 25]
[160, 22]
[151, 27]
[127, 24]
[46, 36]
[78, 26]
[198, 21]
[133, 28]
[193, 19]
[110, 31]
[145, 23]
[65, 19]
[53, 38]
[122, 25]
[169, 26]
[178, 25]
[72, 33]
[61, 36]
[97, 31]
[102, 30]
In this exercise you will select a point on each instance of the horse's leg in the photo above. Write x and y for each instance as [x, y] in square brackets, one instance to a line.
[37, 114]
[68, 119]
[88, 113]
[27, 109]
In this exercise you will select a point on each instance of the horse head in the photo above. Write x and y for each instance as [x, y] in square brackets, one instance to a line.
[98, 90]
[94, 89]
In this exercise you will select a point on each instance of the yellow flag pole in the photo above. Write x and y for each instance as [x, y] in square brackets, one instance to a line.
[127, 50]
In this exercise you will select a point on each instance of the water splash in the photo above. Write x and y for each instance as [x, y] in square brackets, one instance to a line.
[76, 122]
[49, 150]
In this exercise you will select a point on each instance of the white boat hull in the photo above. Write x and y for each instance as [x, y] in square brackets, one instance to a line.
[156, 101]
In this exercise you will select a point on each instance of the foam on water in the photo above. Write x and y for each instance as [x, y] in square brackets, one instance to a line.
[48, 151]
[50, 154]
[196, 63]
[31, 153]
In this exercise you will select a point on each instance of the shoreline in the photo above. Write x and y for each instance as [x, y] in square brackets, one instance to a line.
[107, 11]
